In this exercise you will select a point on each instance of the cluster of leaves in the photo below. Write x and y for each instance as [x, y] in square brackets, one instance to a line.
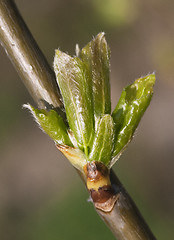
[91, 131]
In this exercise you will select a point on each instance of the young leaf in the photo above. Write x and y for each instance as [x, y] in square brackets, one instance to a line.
[76, 157]
[103, 142]
[52, 124]
[133, 102]
[74, 82]
[96, 55]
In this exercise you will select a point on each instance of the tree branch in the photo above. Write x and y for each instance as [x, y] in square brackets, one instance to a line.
[26, 56]
[124, 219]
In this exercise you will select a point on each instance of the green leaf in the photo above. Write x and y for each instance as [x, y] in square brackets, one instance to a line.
[103, 142]
[74, 82]
[52, 124]
[133, 102]
[96, 55]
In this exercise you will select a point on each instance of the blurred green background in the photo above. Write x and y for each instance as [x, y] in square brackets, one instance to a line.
[41, 196]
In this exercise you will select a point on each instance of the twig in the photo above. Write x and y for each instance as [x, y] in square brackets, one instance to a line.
[26, 56]
[124, 219]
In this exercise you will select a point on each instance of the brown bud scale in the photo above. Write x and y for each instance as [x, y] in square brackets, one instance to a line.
[99, 186]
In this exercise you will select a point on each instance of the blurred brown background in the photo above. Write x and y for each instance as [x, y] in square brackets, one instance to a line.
[41, 196]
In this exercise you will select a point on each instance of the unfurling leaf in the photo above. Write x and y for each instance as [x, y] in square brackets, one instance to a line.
[74, 82]
[52, 124]
[133, 102]
[96, 56]
[104, 140]
[92, 133]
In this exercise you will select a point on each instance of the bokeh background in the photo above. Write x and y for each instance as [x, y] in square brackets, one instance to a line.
[41, 196]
